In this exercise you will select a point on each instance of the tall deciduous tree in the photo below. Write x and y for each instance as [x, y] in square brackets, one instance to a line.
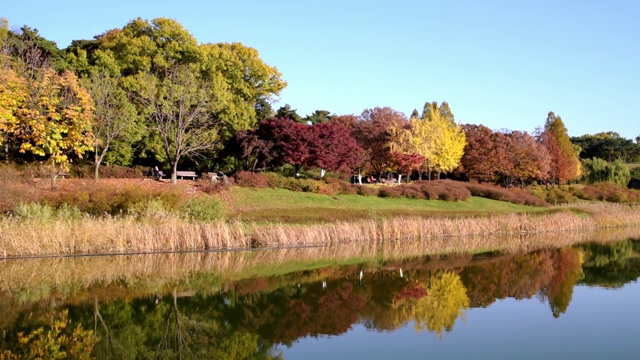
[13, 95]
[372, 133]
[332, 148]
[55, 121]
[438, 138]
[564, 163]
[483, 159]
[528, 160]
[252, 83]
[180, 109]
[115, 117]
[240, 83]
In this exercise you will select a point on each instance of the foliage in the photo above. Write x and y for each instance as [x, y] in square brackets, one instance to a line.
[115, 126]
[445, 300]
[609, 146]
[606, 192]
[438, 138]
[564, 160]
[332, 148]
[101, 200]
[205, 208]
[527, 160]
[142, 54]
[372, 133]
[484, 158]
[513, 195]
[58, 341]
[446, 190]
[509, 158]
[279, 141]
[181, 109]
[49, 116]
[598, 170]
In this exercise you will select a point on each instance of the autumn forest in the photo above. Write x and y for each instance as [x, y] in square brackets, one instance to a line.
[149, 94]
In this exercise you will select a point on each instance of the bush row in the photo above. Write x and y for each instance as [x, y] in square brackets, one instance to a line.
[512, 195]
[603, 191]
[328, 186]
[446, 190]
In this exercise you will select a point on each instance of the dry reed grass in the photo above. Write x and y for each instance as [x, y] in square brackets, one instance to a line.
[169, 233]
[27, 280]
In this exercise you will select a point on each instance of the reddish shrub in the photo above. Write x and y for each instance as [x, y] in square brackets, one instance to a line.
[513, 195]
[366, 190]
[251, 179]
[390, 192]
[607, 192]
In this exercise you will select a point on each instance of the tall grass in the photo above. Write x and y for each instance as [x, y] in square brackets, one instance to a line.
[27, 280]
[165, 231]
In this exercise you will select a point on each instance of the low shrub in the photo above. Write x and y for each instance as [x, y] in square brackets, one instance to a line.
[251, 179]
[367, 190]
[273, 180]
[607, 192]
[98, 199]
[555, 196]
[204, 208]
[512, 195]
[390, 192]
[337, 186]
[208, 187]
[43, 212]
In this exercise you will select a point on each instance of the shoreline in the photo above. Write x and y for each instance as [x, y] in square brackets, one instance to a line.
[439, 235]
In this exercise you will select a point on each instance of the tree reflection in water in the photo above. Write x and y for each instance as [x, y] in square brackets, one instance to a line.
[199, 317]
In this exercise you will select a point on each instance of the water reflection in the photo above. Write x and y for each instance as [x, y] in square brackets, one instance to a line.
[217, 305]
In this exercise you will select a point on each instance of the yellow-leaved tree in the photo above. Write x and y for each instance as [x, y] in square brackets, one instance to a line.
[54, 121]
[436, 305]
[13, 93]
[437, 138]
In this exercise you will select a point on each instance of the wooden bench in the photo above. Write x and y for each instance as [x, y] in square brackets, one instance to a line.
[186, 174]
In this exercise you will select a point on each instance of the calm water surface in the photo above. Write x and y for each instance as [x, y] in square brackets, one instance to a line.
[578, 303]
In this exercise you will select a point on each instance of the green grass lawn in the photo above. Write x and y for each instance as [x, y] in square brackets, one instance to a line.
[279, 205]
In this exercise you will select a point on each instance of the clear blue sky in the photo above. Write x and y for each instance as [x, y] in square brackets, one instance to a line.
[504, 64]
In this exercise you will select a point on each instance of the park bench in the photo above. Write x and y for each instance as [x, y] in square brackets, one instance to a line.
[186, 174]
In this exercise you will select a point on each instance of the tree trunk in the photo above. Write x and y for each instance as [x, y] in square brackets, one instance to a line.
[174, 172]
[399, 178]
[360, 177]
[322, 172]
[54, 177]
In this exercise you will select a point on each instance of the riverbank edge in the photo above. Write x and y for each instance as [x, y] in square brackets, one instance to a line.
[442, 235]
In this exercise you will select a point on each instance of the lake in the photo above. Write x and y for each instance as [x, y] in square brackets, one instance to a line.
[346, 302]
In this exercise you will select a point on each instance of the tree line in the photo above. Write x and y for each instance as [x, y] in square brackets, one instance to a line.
[149, 93]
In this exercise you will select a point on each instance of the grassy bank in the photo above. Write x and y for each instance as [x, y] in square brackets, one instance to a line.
[172, 232]
[283, 206]
[87, 217]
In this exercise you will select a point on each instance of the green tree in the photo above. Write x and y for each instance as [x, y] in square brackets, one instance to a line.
[286, 112]
[318, 116]
[180, 110]
[252, 84]
[598, 170]
[115, 123]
